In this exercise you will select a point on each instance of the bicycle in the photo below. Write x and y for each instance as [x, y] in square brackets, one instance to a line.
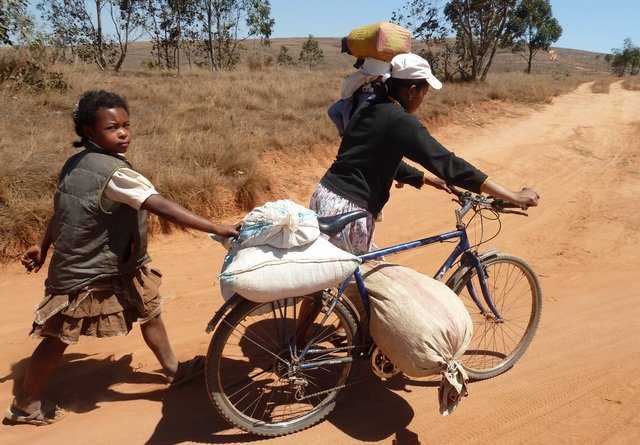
[270, 384]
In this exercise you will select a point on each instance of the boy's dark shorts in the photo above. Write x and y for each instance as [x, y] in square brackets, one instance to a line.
[105, 308]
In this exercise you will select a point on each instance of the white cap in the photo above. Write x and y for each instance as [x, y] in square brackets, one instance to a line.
[412, 66]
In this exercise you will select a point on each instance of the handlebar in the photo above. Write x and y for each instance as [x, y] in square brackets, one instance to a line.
[468, 201]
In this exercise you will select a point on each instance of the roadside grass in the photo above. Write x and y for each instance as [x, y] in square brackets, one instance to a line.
[603, 85]
[201, 138]
[631, 83]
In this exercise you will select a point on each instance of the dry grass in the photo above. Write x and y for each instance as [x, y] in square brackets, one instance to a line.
[631, 83]
[200, 138]
[603, 85]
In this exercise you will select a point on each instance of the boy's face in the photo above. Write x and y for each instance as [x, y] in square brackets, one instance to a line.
[111, 130]
[415, 97]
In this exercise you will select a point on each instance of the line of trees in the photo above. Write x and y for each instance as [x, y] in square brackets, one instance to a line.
[15, 22]
[207, 32]
[480, 28]
[625, 60]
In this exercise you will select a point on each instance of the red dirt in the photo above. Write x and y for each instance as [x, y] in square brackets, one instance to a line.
[578, 383]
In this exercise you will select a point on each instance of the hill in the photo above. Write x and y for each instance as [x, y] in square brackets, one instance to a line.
[566, 60]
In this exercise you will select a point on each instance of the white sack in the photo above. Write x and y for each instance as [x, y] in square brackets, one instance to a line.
[264, 274]
[421, 326]
[280, 224]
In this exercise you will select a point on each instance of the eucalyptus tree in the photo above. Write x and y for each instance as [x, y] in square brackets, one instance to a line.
[536, 28]
[78, 25]
[226, 24]
[481, 26]
[15, 21]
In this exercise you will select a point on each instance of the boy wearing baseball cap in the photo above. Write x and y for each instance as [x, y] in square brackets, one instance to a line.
[380, 134]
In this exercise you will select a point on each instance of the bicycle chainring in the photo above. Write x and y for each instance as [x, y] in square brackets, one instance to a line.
[382, 366]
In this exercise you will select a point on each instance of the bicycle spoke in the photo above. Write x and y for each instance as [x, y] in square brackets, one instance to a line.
[495, 342]
[258, 345]
[273, 390]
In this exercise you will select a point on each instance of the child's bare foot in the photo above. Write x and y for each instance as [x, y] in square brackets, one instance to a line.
[187, 371]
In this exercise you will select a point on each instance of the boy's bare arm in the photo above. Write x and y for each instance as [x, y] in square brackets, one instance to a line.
[167, 209]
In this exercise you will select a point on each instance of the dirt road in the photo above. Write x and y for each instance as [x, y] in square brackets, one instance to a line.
[578, 383]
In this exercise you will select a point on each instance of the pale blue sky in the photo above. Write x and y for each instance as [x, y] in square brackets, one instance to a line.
[594, 25]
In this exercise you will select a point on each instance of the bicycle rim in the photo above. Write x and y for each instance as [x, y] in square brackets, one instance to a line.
[498, 344]
[249, 366]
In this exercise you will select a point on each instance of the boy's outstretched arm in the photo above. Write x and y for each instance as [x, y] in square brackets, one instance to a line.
[167, 209]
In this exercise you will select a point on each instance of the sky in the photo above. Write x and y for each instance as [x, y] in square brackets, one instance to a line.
[592, 25]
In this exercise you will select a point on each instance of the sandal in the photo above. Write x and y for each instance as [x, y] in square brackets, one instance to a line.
[48, 413]
[187, 371]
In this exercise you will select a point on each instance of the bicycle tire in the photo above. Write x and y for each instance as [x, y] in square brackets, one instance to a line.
[228, 410]
[470, 359]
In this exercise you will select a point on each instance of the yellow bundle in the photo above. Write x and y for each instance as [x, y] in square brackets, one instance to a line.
[381, 41]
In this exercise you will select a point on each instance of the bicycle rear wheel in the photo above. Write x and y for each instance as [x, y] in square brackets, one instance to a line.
[254, 377]
[498, 344]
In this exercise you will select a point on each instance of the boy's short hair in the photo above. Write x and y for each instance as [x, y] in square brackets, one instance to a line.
[85, 112]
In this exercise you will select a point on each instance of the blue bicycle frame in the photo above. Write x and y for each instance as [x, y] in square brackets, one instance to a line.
[461, 248]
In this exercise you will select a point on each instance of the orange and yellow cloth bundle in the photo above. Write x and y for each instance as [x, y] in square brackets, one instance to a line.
[380, 41]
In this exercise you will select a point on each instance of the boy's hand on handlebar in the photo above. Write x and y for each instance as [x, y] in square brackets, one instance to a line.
[436, 182]
[527, 197]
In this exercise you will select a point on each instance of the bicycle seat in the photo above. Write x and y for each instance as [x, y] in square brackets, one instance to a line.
[332, 225]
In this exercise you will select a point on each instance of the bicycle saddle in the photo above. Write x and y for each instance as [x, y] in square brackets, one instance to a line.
[332, 225]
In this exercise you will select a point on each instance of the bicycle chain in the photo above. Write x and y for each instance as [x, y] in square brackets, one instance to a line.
[308, 396]
[334, 389]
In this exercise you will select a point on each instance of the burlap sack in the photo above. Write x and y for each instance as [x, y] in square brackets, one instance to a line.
[421, 326]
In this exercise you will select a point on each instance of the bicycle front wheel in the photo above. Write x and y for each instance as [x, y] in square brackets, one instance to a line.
[498, 344]
[256, 376]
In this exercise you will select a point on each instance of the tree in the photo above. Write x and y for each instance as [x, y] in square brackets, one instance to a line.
[14, 20]
[227, 23]
[635, 62]
[424, 20]
[284, 58]
[631, 54]
[173, 26]
[480, 27]
[128, 18]
[78, 25]
[160, 20]
[534, 24]
[311, 54]
[627, 57]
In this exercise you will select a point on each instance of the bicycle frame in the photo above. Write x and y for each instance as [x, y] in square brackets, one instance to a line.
[461, 249]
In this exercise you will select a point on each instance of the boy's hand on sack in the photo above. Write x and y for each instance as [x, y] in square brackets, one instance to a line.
[33, 259]
[227, 230]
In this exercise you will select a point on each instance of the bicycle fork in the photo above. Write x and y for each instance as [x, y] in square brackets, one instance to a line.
[481, 272]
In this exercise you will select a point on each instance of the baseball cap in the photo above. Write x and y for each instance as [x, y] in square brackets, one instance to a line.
[413, 67]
